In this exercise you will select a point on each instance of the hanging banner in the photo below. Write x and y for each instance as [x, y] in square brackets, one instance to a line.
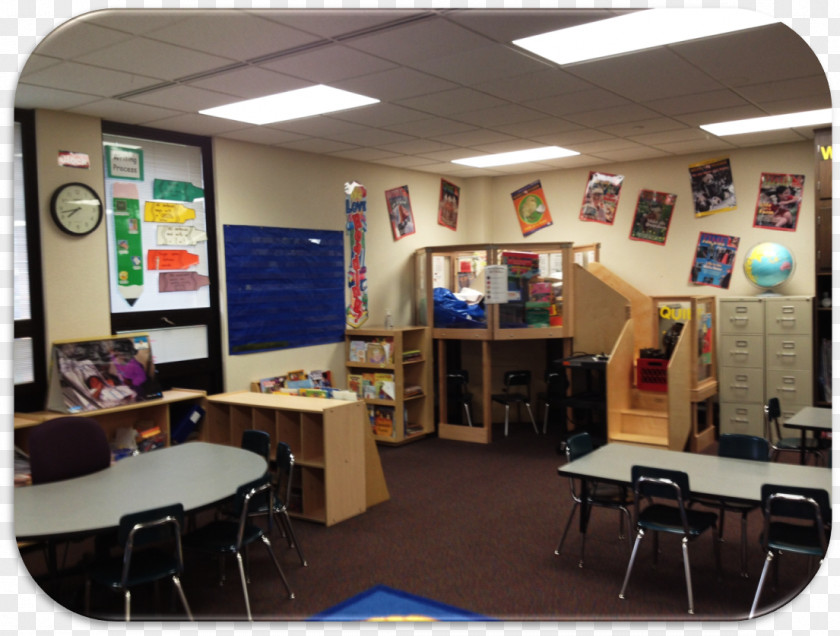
[129, 242]
[355, 207]
[531, 208]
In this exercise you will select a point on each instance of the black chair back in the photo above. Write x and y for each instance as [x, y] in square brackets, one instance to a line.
[67, 447]
[578, 445]
[456, 383]
[516, 379]
[739, 446]
[660, 483]
[773, 411]
[151, 526]
[796, 502]
[258, 442]
[555, 384]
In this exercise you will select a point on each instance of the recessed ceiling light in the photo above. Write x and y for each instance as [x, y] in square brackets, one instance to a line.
[771, 122]
[303, 102]
[517, 156]
[637, 31]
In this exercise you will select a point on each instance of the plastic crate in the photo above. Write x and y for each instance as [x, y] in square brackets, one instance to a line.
[651, 374]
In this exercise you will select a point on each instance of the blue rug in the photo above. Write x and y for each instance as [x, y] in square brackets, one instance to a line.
[382, 603]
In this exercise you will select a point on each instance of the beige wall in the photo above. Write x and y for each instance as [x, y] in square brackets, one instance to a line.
[257, 185]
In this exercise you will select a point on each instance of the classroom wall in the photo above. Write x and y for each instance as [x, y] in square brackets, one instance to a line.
[258, 185]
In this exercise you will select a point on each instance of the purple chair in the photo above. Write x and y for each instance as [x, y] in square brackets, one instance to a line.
[67, 447]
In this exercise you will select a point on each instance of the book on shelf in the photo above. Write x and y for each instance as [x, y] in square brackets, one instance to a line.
[411, 354]
[384, 385]
[383, 421]
[376, 353]
[357, 351]
[412, 389]
[354, 383]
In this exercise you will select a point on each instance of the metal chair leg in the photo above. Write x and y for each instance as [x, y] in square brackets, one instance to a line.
[127, 595]
[267, 545]
[639, 536]
[507, 418]
[566, 530]
[687, 568]
[744, 572]
[768, 559]
[467, 411]
[241, 564]
[531, 415]
[290, 532]
[177, 581]
[545, 419]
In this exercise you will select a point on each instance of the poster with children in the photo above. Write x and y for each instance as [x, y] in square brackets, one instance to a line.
[600, 199]
[531, 208]
[653, 216]
[399, 212]
[779, 200]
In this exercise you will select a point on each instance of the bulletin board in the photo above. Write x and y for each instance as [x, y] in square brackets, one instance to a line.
[285, 287]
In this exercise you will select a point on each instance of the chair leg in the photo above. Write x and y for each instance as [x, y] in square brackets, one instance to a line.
[744, 572]
[507, 418]
[177, 581]
[531, 415]
[768, 559]
[639, 536]
[241, 564]
[687, 568]
[566, 530]
[545, 419]
[293, 542]
[127, 595]
[267, 545]
[467, 412]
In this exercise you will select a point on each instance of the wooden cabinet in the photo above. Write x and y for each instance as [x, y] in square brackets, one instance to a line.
[163, 412]
[391, 370]
[823, 254]
[338, 474]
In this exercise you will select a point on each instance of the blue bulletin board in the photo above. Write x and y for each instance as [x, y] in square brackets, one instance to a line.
[285, 287]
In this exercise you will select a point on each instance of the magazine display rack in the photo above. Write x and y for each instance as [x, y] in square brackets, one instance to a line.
[338, 472]
[391, 370]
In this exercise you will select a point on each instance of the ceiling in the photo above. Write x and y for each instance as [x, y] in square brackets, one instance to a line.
[450, 82]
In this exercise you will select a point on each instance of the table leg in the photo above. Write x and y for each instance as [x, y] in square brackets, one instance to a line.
[802, 447]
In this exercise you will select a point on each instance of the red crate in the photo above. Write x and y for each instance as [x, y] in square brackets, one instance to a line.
[652, 374]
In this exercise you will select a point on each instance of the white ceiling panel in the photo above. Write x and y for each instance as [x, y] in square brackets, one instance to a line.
[249, 82]
[328, 64]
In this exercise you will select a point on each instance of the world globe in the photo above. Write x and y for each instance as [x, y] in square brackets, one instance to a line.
[768, 265]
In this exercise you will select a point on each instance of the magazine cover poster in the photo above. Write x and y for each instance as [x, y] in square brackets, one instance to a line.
[399, 211]
[600, 199]
[779, 200]
[450, 194]
[531, 208]
[653, 216]
[714, 260]
[712, 187]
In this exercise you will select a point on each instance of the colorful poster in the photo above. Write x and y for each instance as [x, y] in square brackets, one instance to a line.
[129, 241]
[531, 208]
[355, 207]
[712, 187]
[779, 199]
[600, 199]
[399, 211]
[450, 194]
[714, 260]
[653, 216]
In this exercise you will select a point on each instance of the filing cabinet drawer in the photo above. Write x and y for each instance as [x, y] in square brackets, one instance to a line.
[789, 351]
[743, 315]
[788, 315]
[746, 419]
[741, 384]
[790, 386]
[742, 350]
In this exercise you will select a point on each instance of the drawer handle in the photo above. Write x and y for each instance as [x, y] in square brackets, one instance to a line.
[739, 319]
[786, 319]
[782, 354]
[740, 420]
[745, 387]
[739, 352]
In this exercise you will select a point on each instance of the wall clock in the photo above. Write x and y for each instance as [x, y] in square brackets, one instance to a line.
[76, 209]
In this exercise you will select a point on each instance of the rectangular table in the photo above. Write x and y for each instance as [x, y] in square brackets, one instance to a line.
[810, 418]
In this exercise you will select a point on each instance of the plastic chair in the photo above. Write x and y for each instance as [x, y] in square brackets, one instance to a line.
[457, 391]
[142, 536]
[508, 396]
[554, 394]
[258, 442]
[738, 446]
[796, 520]
[285, 461]
[779, 444]
[67, 447]
[659, 485]
[612, 496]
[229, 536]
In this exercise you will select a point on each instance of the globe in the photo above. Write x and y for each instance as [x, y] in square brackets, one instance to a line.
[768, 265]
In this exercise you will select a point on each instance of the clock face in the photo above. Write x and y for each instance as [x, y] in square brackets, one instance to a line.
[76, 209]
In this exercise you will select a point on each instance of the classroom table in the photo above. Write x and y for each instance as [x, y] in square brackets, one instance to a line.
[810, 418]
[724, 478]
[195, 474]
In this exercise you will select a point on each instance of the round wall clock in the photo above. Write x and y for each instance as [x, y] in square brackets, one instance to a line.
[76, 209]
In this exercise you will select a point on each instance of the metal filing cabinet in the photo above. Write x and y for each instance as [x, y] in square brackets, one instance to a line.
[765, 351]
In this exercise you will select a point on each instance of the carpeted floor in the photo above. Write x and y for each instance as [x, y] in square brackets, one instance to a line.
[474, 527]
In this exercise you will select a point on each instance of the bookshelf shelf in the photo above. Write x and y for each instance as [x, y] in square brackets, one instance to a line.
[404, 417]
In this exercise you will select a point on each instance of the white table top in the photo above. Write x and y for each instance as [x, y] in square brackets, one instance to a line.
[710, 475]
[812, 418]
[195, 474]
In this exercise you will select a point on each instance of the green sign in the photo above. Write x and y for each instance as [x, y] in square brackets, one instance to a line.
[124, 163]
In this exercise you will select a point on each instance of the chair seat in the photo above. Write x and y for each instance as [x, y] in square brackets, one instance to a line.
[608, 494]
[146, 567]
[792, 537]
[662, 518]
[509, 397]
[220, 536]
[795, 443]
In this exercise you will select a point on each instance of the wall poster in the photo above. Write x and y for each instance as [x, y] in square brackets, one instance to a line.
[531, 208]
[779, 200]
[600, 199]
[399, 211]
[712, 187]
[450, 194]
[653, 216]
[355, 208]
[714, 259]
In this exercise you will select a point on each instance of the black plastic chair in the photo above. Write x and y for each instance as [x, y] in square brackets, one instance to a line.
[738, 446]
[67, 447]
[258, 442]
[779, 444]
[612, 496]
[554, 395]
[228, 536]
[510, 396]
[659, 485]
[151, 543]
[796, 520]
[279, 509]
[457, 391]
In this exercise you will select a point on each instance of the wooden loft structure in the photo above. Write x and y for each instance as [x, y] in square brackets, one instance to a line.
[614, 317]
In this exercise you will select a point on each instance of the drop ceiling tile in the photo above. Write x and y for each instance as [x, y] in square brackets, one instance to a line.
[598, 147]
[577, 101]
[705, 145]
[696, 102]
[364, 154]
[405, 161]
[395, 84]
[616, 115]
[196, 124]
[182, 98]
[670, 136]
[632, 154]
[367, 136]
[317, 146]
[490, 117]
[125, 112]
[431, 127]
[154, 59]
[459, 100]
[382, 115]
[333, 23]
[811, 86]
[327, 64]
[35, 63]
[520, 23]
[715, 115]
[249, 82]
[538, 127]
[263, 135]
[646, 126]
[133, 22]
[418, 147]
[77, 37]
[320, 126]
[82, 78]
[480, 65]
[570, 139]
[476, 137]
[533, 86]
[29, 96]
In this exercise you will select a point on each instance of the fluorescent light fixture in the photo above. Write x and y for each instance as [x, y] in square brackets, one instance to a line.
[638, 31]
[303, 102]
[772, 122]
[518, 156]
